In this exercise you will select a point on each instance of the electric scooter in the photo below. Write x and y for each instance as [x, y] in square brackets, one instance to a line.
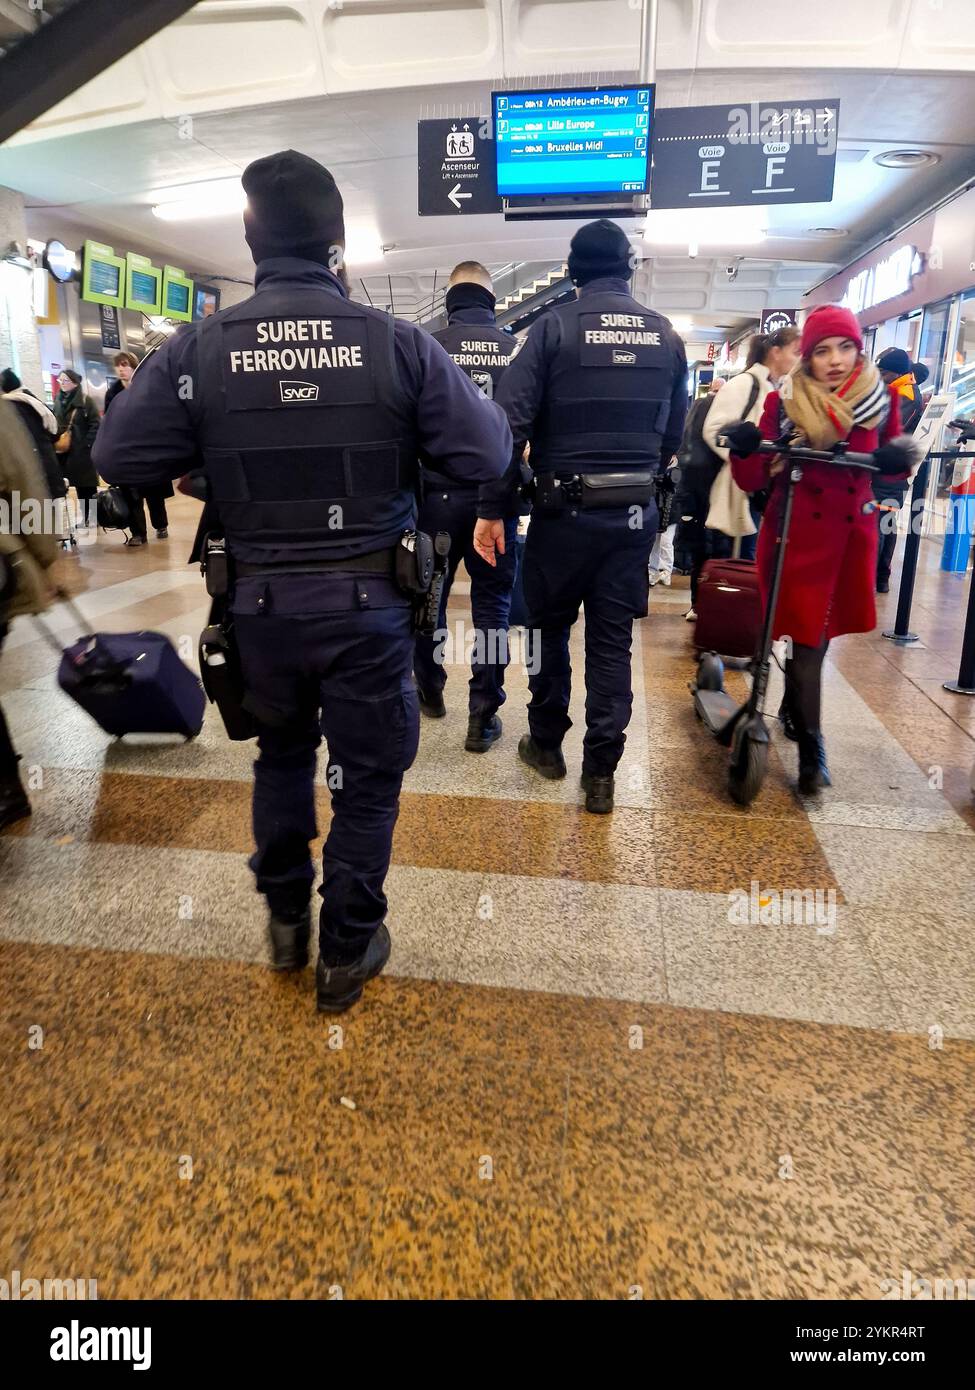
[742, 728]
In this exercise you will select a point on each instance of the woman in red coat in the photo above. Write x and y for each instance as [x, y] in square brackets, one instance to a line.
[830, 567]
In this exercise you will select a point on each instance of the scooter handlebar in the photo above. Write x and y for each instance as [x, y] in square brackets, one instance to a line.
[838, 455]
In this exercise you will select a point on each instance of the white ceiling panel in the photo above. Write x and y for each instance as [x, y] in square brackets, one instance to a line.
[234, 53]
[262, 49]
[833, 33]
[394, 43]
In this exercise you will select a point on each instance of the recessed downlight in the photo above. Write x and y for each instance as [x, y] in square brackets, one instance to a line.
[907, 159]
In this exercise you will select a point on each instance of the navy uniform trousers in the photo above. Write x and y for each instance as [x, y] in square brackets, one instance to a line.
[328, 655]
[598, 561]
[455, 511]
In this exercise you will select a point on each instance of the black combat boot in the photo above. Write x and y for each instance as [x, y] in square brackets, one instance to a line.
[14, 805]
[288, 933]
[340, 984]
[599, 792]
[788, 721]
[548, 761]
[482, 732]
[813, 769]
[431, 703]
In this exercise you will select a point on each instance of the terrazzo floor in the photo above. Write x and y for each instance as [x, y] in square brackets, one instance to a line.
[585, 1074]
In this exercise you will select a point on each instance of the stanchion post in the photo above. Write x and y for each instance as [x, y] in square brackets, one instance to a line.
[965, 684]
[901, 632]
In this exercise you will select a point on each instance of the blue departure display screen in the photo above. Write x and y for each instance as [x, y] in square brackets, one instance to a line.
[103, 278]
[145, 287]
[579, 140]
[178, 297]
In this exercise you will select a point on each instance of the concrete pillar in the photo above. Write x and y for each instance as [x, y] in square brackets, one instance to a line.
[19, 344]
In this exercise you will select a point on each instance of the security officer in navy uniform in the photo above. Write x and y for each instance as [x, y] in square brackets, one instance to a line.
[309, 413]
[482, 350]
[600, 391]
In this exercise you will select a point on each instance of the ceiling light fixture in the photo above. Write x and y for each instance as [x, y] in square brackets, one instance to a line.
[193, 201]
[907, 159]
[707, 227]
[363, 246]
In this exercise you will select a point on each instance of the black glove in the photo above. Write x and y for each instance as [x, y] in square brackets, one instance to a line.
[743, 438]
[898, 456]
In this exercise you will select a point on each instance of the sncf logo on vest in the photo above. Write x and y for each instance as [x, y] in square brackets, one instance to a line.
[298, 391]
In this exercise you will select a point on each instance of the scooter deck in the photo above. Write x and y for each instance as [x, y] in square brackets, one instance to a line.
[715, 707]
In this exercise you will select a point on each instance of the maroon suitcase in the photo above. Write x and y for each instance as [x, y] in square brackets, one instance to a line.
[729, 608]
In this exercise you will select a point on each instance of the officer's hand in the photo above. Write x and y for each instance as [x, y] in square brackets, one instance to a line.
[488, 537]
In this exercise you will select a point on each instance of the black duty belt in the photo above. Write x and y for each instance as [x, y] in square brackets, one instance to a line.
[373, 562]
[556, 491]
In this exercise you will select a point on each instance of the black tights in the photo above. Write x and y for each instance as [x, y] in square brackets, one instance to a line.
[804, 687]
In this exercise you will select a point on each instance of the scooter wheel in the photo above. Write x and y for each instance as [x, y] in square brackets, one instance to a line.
[710, 672]
[747, 773]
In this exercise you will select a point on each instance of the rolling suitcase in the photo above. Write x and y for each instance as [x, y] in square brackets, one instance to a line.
[729, 608]
[131, 682]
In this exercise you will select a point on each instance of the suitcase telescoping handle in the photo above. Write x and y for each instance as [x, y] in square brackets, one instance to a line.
[76, 613]
[99, 670]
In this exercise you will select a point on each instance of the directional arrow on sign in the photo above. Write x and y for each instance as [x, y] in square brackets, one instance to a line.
[455, 196]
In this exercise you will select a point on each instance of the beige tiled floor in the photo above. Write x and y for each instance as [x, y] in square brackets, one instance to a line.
[579, 1075]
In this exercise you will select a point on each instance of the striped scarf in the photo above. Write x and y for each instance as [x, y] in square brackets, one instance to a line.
[823, 416]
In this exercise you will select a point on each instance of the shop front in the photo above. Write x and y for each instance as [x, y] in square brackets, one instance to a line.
[916, 291]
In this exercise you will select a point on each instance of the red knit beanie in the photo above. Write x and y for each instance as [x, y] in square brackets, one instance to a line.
[830, 321]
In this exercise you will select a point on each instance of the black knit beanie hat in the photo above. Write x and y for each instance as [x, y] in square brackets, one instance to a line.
[293, 209]
[599, 249]
[894, 360]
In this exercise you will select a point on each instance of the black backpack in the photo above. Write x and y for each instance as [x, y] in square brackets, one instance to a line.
[696, 454]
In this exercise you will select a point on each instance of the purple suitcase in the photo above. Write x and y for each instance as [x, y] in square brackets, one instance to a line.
[132, 683]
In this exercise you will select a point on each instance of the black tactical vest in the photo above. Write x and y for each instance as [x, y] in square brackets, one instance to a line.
[607, 390]
[482, 350]
[307, 433]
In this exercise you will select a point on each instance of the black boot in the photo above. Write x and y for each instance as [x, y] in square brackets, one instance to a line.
[788, 724]
[823, 767]
[813, 770]
[14, 805]
[482, 732]
[340, 984]
[599, 792]
[431, 703]
[548, 761]
[288, 934]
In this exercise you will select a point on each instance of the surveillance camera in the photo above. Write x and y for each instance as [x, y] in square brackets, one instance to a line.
[731, 271]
